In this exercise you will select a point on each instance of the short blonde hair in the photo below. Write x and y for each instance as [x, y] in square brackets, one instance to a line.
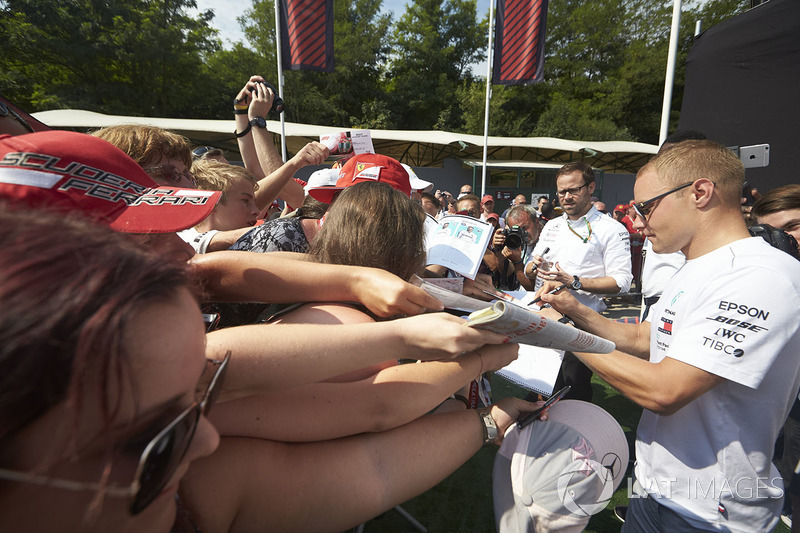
[692, 160]
[212, 175]
[148, 144]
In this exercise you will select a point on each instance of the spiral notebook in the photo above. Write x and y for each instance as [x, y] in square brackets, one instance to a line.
[535, 369]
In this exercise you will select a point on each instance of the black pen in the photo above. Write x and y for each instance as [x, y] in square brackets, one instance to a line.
[533, 269]
[539, 299]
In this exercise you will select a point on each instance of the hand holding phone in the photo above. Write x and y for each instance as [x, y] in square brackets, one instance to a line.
[530, 417]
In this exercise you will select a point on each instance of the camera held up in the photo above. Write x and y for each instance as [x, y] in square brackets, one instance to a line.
[277, 103]
[515, 237]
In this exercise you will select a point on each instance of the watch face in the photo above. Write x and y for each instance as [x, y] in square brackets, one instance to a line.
[259, 122]
[576, 284]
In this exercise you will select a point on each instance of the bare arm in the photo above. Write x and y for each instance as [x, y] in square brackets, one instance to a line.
[280, 182]
[254, 484]
[392, 397]
[663, 388]
[279, 278]
[632, 339]
[225, 239]
[268, 156]
[267, 357]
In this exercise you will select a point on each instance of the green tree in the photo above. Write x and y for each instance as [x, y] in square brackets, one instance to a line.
[346, 96]
[435, 44]
[130, 57]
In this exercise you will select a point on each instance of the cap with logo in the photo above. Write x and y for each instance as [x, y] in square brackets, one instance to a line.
[75, 172]
[366, 167]
[554, 475]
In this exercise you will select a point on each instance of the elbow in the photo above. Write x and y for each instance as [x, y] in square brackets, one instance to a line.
[665, 403]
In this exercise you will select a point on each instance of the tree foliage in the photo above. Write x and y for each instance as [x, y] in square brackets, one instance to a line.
[603, 79]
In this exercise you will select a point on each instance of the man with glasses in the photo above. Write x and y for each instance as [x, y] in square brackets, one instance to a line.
[717, 369]
[585, 250]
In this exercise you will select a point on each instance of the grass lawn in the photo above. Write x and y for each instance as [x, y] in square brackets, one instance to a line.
[462, 503]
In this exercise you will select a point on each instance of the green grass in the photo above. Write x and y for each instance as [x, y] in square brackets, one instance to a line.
[462, 503]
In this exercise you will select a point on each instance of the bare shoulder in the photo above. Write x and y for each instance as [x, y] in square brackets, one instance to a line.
[325, 313]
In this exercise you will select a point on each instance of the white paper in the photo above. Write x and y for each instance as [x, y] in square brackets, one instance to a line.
[535, 369]
[346, 144]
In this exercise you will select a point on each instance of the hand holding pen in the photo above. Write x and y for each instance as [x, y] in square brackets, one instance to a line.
[539, 298]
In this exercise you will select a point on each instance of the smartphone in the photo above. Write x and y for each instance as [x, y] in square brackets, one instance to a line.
[747, 194]
[530, 417]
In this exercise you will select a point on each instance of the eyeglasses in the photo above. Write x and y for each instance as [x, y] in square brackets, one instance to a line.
[171, 174]
[7, 111]
[159, 460]
[644, 208]
[573, 191]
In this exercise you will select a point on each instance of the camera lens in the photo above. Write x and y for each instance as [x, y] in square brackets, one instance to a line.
[513, 241]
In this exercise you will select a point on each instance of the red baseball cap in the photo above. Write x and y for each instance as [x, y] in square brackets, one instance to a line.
[487, 198]
[623, 208]
[366, 167]
[70, 171]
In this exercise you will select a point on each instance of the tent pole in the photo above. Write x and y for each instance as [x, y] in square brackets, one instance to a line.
[489, 56]
[280, 75]
[670, 78]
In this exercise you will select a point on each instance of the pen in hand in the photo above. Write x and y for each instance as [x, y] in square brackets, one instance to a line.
[534, 267]
[539, 298]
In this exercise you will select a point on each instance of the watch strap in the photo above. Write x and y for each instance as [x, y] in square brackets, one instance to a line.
[490, 431]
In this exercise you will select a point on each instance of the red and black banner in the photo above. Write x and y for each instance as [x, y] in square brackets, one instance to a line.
[519, 42]
[307, 35]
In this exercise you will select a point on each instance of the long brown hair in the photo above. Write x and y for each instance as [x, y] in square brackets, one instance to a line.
[371, 224]
[68, 288]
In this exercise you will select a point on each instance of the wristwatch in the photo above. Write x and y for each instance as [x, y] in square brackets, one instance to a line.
[490, 431]
[576, 283]
[259, 122]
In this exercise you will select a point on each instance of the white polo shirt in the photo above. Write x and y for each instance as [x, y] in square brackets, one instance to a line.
[594, 246]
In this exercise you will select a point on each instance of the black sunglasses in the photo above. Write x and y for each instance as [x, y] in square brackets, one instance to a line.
[160, 458]
[644, 208]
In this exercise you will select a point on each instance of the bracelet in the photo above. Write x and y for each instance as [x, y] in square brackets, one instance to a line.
[244, 131]
[480, 357]
[240, 111]
[239, 106]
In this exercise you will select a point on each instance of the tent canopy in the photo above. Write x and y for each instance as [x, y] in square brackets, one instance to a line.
[418, 148]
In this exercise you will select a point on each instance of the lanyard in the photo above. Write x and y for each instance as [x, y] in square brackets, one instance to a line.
[581, 237]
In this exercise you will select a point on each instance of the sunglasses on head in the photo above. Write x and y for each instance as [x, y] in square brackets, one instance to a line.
[171, 174]
[643, 209]
[160, 458]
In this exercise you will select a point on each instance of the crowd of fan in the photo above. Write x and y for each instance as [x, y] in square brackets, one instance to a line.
[316, 424]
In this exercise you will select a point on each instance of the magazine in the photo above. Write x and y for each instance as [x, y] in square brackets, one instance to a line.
[527, 327]
[458, 242]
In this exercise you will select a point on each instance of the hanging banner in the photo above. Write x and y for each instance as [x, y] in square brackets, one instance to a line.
[519, 42]
[307, 35]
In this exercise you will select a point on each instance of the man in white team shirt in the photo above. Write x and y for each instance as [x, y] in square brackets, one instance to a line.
[586, 250]
[717, 370]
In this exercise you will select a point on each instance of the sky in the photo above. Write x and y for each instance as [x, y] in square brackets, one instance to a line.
[226, 11]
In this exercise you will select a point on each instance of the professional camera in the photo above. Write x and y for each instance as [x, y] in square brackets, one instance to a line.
[515, 237]
[277, 103]
[777, 238]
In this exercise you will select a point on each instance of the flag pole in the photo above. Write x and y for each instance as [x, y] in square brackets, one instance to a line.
[489, 56]
[670, 78]
[280, 76]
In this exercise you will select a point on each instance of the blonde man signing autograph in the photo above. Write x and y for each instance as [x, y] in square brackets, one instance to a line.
[717, 369]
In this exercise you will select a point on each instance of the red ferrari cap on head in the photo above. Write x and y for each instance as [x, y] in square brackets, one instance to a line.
[622, 208]
[69, 171]
[366, 167]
